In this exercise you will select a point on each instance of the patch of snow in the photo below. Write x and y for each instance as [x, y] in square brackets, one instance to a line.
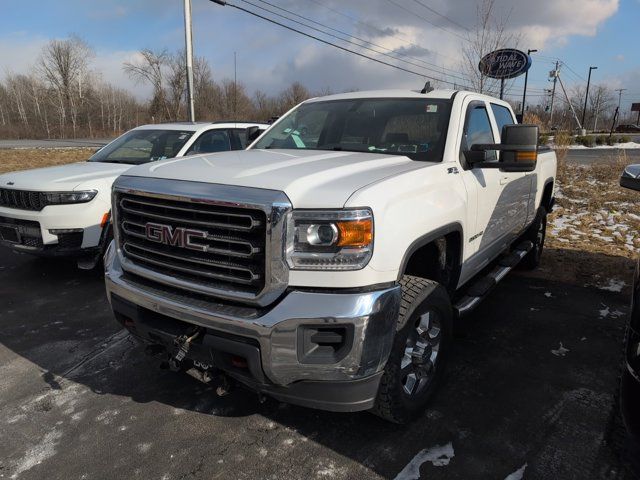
[107, 416]
[548, 294]
[614, 285]
[518, 474]
[439, 456]
[16, 418]
[144, 447]
[604, 313]
[560, 352]
[38, 453]
[625, 146]
[330, 470]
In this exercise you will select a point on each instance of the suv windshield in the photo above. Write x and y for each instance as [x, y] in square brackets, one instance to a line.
[142, 146]
[412, 127]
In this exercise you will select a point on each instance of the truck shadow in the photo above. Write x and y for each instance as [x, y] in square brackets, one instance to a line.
[510, 395]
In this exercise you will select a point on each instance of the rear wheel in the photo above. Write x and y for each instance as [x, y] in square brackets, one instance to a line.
[536, 234]
[421, 343]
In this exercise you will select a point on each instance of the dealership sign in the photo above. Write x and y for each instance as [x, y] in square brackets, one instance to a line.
[504, 63]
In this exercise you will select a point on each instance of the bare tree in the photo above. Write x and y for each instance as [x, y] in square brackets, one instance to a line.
[150, 69]
[293, 95]
[490, 34]
[63, 64]
[601, 103]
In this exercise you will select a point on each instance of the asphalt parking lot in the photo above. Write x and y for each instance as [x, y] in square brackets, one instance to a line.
[529, 390]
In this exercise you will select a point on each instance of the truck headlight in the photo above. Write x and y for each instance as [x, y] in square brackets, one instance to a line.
[329, 239]
[63, 198]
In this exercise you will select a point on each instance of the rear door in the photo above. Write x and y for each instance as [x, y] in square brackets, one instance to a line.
[520, 187]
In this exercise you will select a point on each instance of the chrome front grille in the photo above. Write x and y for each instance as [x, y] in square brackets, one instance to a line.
[232, 248]
[22, 199]
[207, 239]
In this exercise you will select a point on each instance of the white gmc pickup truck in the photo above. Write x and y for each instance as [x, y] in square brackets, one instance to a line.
[325, 265]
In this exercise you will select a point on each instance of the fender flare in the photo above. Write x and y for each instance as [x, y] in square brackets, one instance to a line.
[428, 238]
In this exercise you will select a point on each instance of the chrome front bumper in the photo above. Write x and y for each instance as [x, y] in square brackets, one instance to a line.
[371, 314]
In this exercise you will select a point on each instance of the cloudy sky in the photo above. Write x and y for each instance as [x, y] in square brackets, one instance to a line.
[427, 35]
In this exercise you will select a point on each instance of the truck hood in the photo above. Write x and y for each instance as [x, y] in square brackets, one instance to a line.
[310, 178]
[64, 177]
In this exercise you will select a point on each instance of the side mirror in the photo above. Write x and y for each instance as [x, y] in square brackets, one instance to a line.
[519, 149]
[252, 133]
[631, 177]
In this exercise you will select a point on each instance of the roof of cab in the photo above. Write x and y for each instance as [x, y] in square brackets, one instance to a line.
[435, 94]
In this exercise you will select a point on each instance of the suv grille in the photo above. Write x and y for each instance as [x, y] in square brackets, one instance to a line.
[22, 199]
[229, 253]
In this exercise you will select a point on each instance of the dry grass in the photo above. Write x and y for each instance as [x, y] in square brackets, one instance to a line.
[593, 231]
[25, 159]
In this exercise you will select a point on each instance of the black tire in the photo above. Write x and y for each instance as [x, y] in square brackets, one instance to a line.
[421, 298]
[536, 233]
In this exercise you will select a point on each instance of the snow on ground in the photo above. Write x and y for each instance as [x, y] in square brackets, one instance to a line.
[439, 456]
[624, 146]
[560, 352]
[614, 285]
[518, 474]
[38, 453]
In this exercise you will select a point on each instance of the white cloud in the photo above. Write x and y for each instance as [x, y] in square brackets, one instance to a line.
[108, 66]
[20, 52]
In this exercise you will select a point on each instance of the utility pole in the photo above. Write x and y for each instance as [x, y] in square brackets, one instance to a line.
[586, 95]
[188, 39]
[526, 78]
[617, 112]
[620, 90]
[554, 74]
[575, 116]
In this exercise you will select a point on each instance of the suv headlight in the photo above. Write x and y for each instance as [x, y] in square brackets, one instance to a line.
[329, 239]
[63, 198]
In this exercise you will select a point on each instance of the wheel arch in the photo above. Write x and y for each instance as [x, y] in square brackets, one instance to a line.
[436, 255]
[547, 200]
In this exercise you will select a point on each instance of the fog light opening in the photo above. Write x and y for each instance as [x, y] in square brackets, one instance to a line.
[239, 362]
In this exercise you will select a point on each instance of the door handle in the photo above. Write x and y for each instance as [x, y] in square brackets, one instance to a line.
[504, 180]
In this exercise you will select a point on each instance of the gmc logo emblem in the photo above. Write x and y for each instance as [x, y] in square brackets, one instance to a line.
[177, 237]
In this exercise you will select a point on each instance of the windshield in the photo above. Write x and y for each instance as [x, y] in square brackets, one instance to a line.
[142, 146]
[415, 128]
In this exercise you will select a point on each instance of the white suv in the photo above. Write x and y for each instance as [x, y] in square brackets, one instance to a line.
[65, 210]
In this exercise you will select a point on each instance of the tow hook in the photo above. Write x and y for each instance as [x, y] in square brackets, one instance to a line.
[224, 387]
[183, 342]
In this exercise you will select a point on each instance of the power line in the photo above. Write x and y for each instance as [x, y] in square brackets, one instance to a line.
[326, 42]
[441, 15]
[355, 20]
[440, 69]
[441, 72]
[393, 2]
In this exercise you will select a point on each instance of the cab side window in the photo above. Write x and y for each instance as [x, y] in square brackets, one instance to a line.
[502, 115]
[477, 129]
[211, 142]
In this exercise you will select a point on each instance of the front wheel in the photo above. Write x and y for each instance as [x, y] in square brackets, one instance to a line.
[416, 362]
